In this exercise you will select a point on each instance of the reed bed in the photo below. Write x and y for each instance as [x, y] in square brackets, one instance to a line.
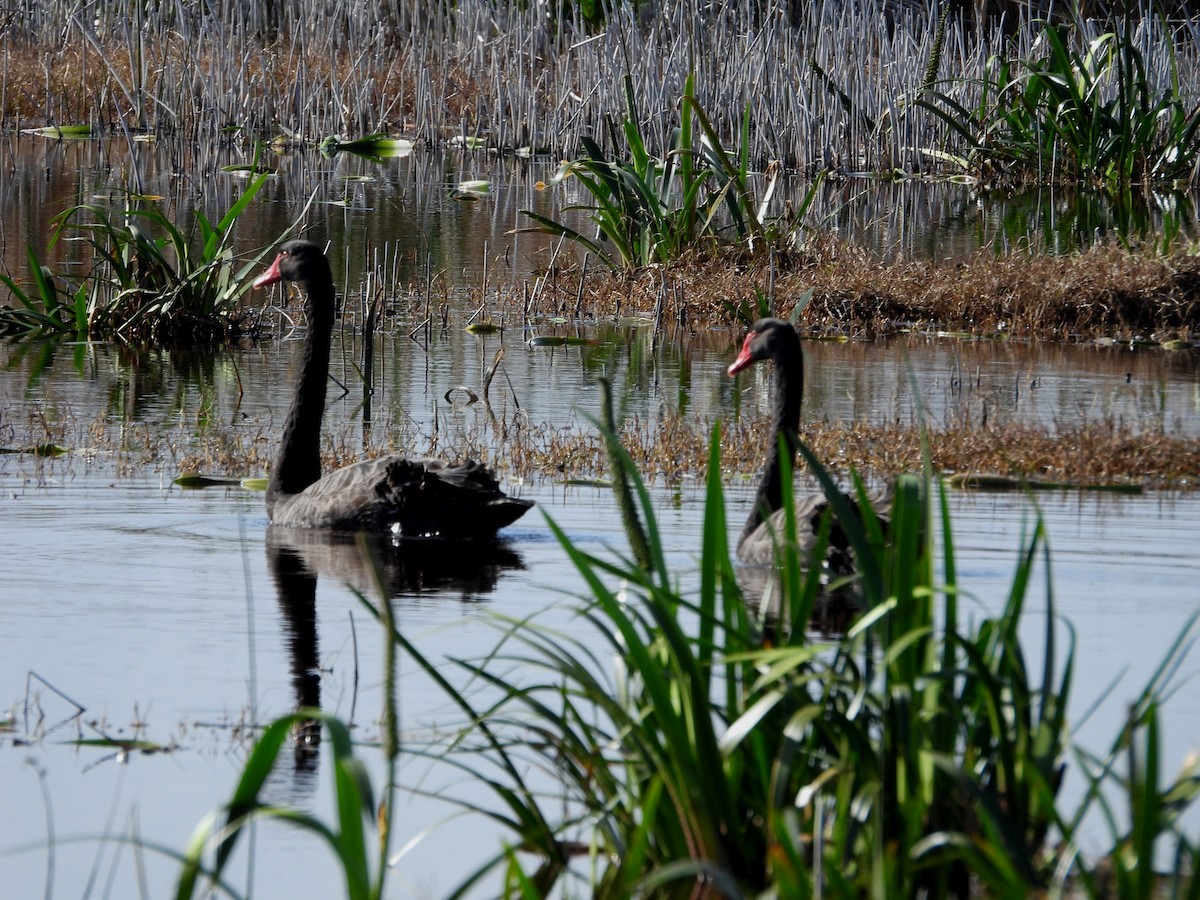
[668, 448]
[1105, 292]
[827, 85]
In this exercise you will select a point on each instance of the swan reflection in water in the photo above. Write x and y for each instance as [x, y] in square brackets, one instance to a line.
[463, 570]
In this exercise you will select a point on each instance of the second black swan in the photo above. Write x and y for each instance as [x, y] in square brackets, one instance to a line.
[409, 497]
[777, 341]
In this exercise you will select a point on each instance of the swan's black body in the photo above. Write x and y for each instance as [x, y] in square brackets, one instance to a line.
[777, 341]
[418, 498]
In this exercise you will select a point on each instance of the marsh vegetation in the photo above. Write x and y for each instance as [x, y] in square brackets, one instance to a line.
[683, 732]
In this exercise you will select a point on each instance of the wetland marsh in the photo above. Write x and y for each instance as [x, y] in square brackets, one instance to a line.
[151, 631]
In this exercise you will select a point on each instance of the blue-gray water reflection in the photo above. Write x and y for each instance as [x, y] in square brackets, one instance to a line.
[146, 603]
[152, 605]
[400, 214]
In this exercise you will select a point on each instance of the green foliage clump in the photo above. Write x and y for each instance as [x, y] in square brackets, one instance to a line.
[720, 744]
[650, 209]
[704, 741]
[146, 283]
[1081, 115]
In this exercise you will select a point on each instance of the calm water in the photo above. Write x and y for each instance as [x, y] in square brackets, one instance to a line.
[146, 603]
[361, 206]
[150, 605]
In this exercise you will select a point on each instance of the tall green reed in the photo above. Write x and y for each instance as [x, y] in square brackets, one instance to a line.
[1085, 111]
[717, 741]
[149, 280]
[694, 740]
[649, 208]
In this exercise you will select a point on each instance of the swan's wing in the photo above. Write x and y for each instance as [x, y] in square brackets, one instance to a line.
[432, 496]
[758, 547]
[410, 497]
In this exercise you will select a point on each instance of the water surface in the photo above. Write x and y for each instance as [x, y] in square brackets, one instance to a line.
[155, 606]
[176, 615]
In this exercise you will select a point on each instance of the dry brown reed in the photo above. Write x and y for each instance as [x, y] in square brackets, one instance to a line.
[1092, 454]
[667, 448]
[521, 75]
[1104, 292]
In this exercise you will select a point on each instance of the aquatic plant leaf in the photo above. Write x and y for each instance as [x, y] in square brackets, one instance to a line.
[246, 170]
[47, 450]
[551, 340]
[196, 480]
[983, 481]
[61, 132]
[483, 327]
[119, 744]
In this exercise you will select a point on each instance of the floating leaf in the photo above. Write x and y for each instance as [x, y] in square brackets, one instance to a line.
[468, 142]
[471, 190]
[1177, 345]
[484, 327]
[196, 480]
[983, 481]
[37, 450]
[254, 484]
[590, 482]
[373, 146]
[246, 171]
[118, 744]
[62, 132]
[549, 340]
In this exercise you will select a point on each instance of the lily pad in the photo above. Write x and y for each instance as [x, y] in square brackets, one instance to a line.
[196, 480]
[549, 340]
[37, 450]
[484, 327]
[62, 132]
[983, 481]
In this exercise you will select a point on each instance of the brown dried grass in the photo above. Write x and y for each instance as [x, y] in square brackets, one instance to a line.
[665, 449]
[1103, 292]
[83, 84]
[1092, 454]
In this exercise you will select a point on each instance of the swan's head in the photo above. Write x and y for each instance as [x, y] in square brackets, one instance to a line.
[767, 339]
[300, 261]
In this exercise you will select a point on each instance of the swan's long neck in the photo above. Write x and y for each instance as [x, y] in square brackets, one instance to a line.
[789, 388]
[298, 462]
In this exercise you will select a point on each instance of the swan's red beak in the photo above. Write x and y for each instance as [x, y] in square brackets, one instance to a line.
[746, 357]
[272, 275]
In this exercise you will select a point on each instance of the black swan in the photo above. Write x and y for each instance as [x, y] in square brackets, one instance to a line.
[412, 498]
[778, 341]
